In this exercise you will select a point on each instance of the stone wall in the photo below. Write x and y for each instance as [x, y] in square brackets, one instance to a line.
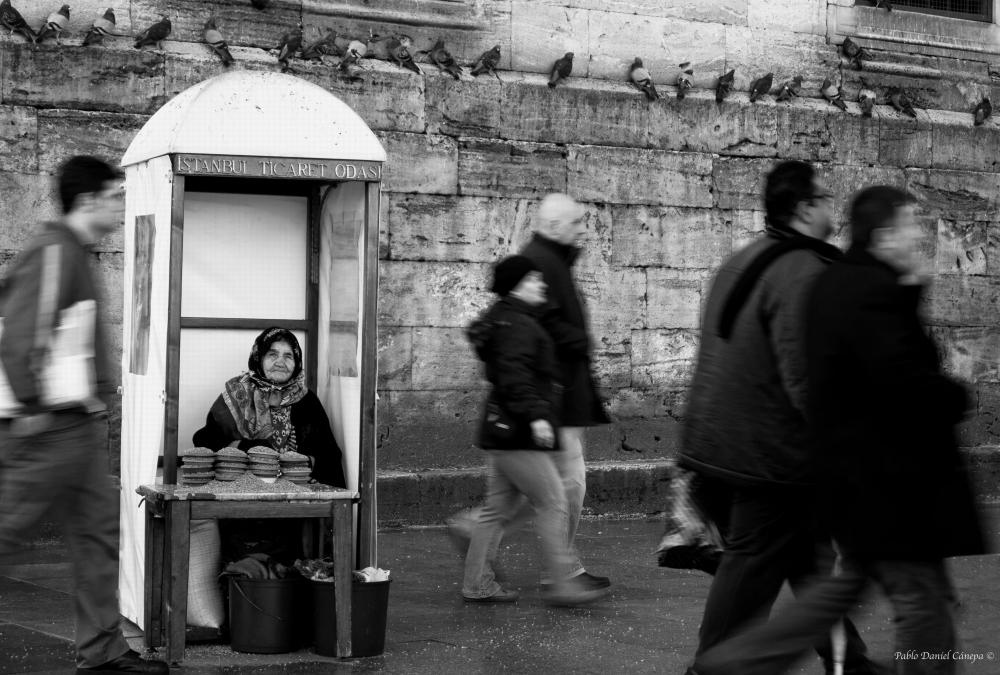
[671, 187]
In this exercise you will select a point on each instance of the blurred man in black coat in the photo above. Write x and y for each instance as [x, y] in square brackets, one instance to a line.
[882, 418]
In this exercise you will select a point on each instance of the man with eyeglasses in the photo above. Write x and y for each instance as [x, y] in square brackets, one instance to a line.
[745, 428]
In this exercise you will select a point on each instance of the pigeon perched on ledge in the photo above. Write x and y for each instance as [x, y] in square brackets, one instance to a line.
[488, 62]
[444, 60]
[901, 102]
[684, 82]
[324, 46]
[561, 69]
[725, 85]
[155, 34]
[789, 89]
[831, 93]
[218, 44]
[982, 112]
[761, 86]
[11, 18]
[401, 55]
[641, 78]
[854, 53]
[103, 26]
[55, 25]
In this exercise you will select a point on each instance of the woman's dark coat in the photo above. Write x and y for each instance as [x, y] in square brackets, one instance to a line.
[564, 319]
[310, 425]
[522, 367]
[883, 416]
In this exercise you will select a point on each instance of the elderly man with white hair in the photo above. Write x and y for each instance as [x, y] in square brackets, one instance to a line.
[560, 229]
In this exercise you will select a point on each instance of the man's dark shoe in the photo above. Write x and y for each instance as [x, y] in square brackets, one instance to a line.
[863, 666]
[594, 580]
[129, 662]
[500, 596]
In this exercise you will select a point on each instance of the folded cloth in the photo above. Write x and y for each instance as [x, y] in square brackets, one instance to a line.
[258, 566]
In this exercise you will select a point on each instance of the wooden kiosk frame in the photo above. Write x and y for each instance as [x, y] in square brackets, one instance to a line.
[219, 136]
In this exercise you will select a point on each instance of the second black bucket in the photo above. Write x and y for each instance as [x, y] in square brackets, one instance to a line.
[369, 611]
[262, 615]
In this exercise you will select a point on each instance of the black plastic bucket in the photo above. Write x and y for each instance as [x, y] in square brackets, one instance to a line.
[369, 610]
[264, 615]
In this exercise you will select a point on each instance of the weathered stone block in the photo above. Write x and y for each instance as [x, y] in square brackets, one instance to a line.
[844, 181]
[18, 139]
[642, 440]
[395, 357]
[756, 51]
[65, 133]
[981, 425]
[467, 229]
[580, 111]
[510, 169]
[238, 21]
[663, 358]
[188, 63]
[797, 17]
[468, 28]
[723, 11]
[541, 34]
[674, 298]
[956, 195]
[739, 183]
[420, 163]
[993, 249]
[612, 361]
[931, 83]
[635, 403]
[432, 294]
[747, 227]
[961, 247]
[813, 130]
[959, 144]
[904, 141]
[970, 354]
[83, 78]
[443, 358]
[699, 124]
[29, 199]
[662, 43]
[614, 300]
[109, 278]
[630, 176]
[420, 429]
[467, 108]
[670, 237]
[961, 300]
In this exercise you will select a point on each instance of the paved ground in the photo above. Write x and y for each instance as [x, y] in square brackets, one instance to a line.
[648, 625]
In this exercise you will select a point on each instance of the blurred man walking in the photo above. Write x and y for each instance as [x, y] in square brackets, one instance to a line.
[50, 454]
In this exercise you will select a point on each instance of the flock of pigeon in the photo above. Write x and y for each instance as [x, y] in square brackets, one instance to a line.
[352, 51]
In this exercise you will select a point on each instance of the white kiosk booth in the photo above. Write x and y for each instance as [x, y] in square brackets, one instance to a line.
[252, 200]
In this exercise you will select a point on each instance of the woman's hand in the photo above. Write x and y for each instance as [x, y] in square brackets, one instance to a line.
[541, 432]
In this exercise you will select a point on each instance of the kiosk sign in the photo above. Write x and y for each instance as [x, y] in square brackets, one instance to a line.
[276, 167]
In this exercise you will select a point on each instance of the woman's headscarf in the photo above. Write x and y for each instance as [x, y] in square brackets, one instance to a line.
[259, 406]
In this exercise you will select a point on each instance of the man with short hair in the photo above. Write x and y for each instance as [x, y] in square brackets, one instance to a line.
[881, 416]
[50, 454]
[745, 429]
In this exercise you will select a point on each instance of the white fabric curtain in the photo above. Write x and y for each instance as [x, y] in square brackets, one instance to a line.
[148, 188]
[341, 314]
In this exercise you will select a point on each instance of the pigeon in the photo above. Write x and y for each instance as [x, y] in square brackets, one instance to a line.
[760, 86]
[883, 3]
[854, 52]
[215, 40]
[103, 26]
[154, 35]
[355, 52]
[641, 78]
[444, 60]
[324, 46]
[291, 42]
[684, 80]
[488, 62]
[260, 4]
[12, 19]
[831, 93]
[561, 69]
[982, 112]
[401, 55]
[789, 89]
[866, 99]
[55, 24]
[724, 86]
[901, 102]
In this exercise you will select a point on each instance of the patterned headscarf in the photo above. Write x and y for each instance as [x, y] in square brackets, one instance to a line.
[250, 396]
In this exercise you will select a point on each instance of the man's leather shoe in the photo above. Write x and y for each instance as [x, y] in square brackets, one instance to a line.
[500, 596]
[129, 663]
[594, 580]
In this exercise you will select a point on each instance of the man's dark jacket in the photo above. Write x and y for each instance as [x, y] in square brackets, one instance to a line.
[745, 420]
[522, 367]
[883, 417]
[564, 319]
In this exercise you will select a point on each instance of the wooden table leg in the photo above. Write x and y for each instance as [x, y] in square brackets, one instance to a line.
[175, 572]
[343, 561]
[152, 624]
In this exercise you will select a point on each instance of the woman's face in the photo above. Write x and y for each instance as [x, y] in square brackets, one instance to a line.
[279, 362]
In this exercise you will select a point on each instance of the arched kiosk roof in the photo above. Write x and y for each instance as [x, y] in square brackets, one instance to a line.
[257, 114]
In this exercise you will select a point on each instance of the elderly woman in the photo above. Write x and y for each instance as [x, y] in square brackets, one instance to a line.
[270, 406]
